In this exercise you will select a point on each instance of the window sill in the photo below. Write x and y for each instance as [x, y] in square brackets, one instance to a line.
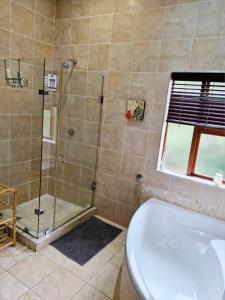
[192, 178]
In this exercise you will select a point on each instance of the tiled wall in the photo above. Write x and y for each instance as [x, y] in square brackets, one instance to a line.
[26, 32]
[136, 44]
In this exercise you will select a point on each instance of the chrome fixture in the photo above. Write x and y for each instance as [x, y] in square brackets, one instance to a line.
[140, 178]
[68, 62]
[71, 131]
[15, 81]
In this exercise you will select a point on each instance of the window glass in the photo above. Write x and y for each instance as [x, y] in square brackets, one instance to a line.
[211, 155]
[178, 144]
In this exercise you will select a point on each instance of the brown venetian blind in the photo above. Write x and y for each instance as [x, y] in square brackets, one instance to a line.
[197, 99]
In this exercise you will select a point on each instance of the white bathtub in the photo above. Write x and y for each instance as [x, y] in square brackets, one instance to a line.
[176, 254]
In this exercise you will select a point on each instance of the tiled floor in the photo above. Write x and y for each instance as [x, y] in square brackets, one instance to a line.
[64, 211]
[49, 275]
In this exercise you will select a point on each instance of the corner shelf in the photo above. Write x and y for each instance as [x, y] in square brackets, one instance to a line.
[7, 223]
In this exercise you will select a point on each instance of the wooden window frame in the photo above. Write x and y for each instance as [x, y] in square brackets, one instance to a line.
[193, 155]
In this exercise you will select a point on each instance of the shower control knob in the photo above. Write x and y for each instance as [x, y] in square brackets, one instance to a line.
[140, 178]
[71, 131]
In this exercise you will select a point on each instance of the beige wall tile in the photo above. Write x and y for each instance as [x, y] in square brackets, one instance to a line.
[156, 179]
[63, 9]
[114, 112]
[112, 138]
[77, 84]
[5, 14]
[63, 29]
[20, 101]
[21, 46]
[129, 192]
[95, 84]
[46, 8]
[120, 57]
[131, 166]
[185, 188]
[105, 207]
[20, 23]
[102, 7]
[20, 126]
[123, 29]
[80, 31]
[5, 43]
[175, 55]
[44, 29]
[150, 25]
[107, 185]
[80, 52]
[180, 21]
[101, 27]
[19, 173]
[124, 213]
[207, 54]
[20, 150]
[42, 50]
[98, 57]
[91, 132]
[110, 162]
[157, 118]
[142, 86]
[148, 4]
[210, 21]
[175, 2]
[146, 56]
[4, 127]
[135, 142]
[82, 8]
[26, 3]
[92, 109]
[153, 146]
[118, 84]
[4, 101]
[124, 6]
[4, 152]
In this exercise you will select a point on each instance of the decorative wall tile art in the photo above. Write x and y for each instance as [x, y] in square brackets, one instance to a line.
[135, 110]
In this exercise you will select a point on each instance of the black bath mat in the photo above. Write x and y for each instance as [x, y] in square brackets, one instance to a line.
[83, 242]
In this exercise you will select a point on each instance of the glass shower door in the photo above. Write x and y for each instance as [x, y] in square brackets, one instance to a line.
[21, 104]
[80, 110]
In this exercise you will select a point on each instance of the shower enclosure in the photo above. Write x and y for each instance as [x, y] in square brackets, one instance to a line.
[49, 133]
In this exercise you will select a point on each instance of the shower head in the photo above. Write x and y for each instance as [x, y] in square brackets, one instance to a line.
[68, 62]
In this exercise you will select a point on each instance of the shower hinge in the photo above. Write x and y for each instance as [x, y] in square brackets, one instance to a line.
[41, 92]
[93, 186]
[39, 211]
[102, 99]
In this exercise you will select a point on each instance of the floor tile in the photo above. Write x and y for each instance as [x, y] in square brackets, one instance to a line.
[53, 254]
[59, 285]
[1, 270]
[30, 296]
[12, 255]
[109, 251]
[10, 288]
[117, 259]
[89, 293]
[105, 280]
[33, 269]
[87, 271]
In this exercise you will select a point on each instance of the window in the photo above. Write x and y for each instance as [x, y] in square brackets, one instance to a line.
[50, 124]
[193, 140]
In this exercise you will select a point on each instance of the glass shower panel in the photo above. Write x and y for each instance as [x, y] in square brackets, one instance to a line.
[21, 135]
[77, 144]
